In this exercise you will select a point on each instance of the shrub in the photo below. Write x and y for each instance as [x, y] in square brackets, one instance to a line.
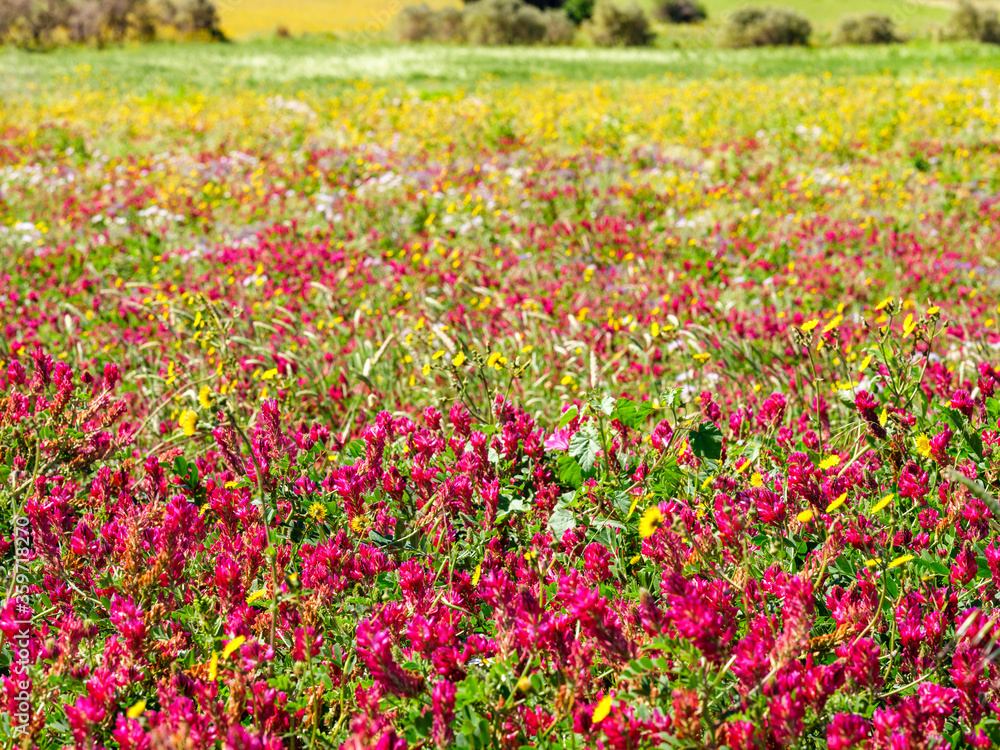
[496, 22]
[449, 25]
[414, 23]
[766, 27]
[38, 23]
[870, 29]
[615, 25]
[194, 17]
[579, 10]
[680, 11]
[969, 22]
[559, 28]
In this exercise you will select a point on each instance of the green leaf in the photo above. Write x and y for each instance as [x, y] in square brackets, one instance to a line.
[934, 566]
[706, 441]
[355, 448]
[379, 539]
[569, 471]
[583, 446]
[630, 413]
[607, 405]
[993, 408]
[568, 416]
[561, 521]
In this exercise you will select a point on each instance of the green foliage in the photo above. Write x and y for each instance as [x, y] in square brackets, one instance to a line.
[579, 10]
[974, 23]
[680, 11]
[766, 27]
[614, 25]
[870, 29]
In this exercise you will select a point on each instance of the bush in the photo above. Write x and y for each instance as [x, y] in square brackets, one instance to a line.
[559, 28]
[491, 22]
[766, 27]
[449, 25]
[870, 29]
[579, 10]
[414, 23]
[969, 22]
[39, 23]
[496, 22]
[680, 11]
[615, 25]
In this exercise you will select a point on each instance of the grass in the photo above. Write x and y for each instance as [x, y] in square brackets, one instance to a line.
[315, 63]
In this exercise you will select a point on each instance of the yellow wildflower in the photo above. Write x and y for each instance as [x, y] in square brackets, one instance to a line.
[188, 422]
[651, 520]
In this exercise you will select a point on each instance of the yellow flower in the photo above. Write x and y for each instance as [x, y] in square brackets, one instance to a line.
[829, 462]
[900, 561]
[882, 503]
[205, 397]
[458, 360]
[864, 363]
[601, 710]
[883, 303]
[268, 374]
[883, 417]
[833, 323]
[651, 520]
[923, 445]
[258, 594]
[836, 503]
[810, 325]
[756, 480]
[317, 512]
[137, 709]
[654, 330]
[805, 516]
[702, 357]
[933, 310]
[232, 646]
[476, 574]
[188, 421]
[213, 666]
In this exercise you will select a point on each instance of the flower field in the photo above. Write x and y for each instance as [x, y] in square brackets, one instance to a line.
[655, 413]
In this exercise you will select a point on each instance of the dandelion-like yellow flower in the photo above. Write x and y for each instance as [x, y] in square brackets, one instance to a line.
[205, 397]
[829, 462]
[602, 709]
[651, 520]
[836, 503]
[923, 445]
[317, 512]
[188, 422]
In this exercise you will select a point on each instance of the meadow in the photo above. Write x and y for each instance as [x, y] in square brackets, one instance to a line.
[359, 396]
